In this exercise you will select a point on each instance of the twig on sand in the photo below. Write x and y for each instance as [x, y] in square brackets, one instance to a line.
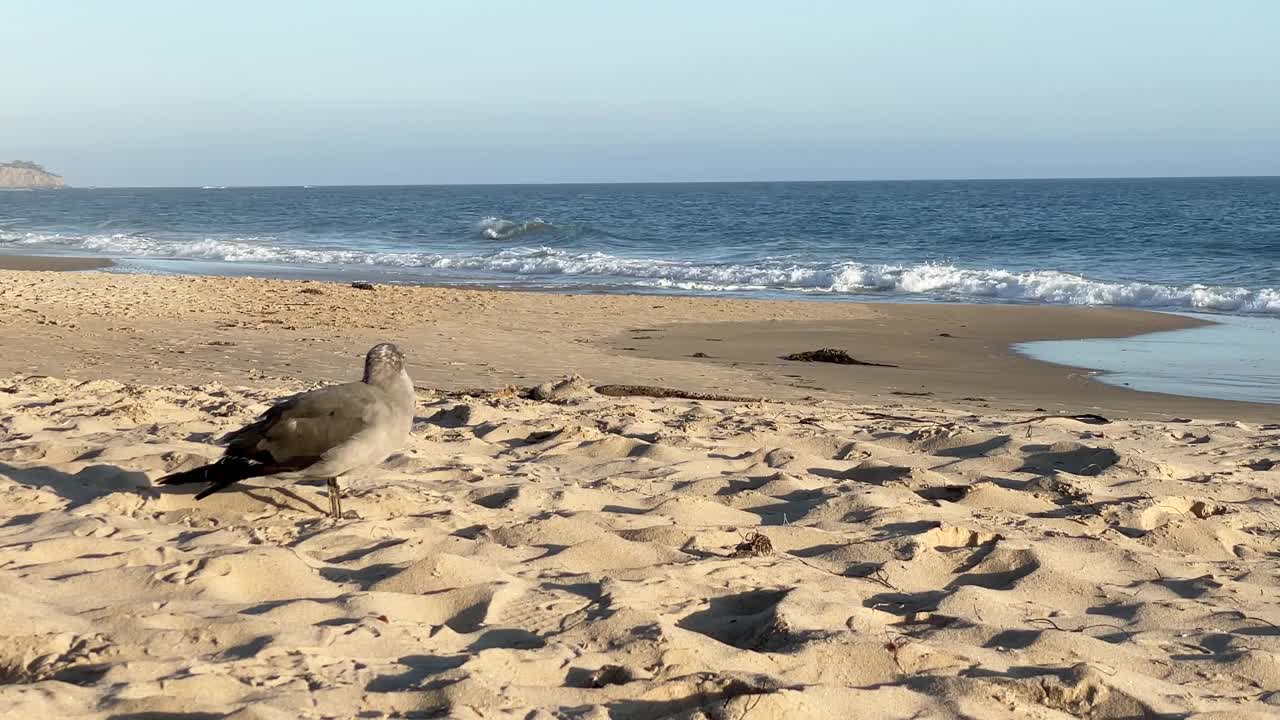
[880, 577]
[1080, 629]
[896, 644]
[748, 705]
[904, 418]
[1242, 616]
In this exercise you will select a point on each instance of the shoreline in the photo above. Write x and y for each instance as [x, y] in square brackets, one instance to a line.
[157, 328]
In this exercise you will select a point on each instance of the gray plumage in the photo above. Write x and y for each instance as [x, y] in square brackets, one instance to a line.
[320, 434]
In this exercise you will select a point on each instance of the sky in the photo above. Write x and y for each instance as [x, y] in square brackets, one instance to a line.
[163, 93]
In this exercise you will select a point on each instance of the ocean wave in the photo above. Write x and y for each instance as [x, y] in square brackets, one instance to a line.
[496, 228]
[532, 264]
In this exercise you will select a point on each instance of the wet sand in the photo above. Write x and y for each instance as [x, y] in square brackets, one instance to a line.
[954, 354]
[51, 263]
[169, 329]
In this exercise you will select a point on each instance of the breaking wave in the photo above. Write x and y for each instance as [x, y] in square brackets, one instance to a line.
[532, 265]
[496, 228]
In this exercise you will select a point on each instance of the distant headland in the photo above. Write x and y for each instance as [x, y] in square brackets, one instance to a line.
[26, 174]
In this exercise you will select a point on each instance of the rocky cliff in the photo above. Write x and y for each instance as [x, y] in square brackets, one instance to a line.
[26, 174]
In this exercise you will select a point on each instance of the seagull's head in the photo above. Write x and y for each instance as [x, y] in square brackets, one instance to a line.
[383, 362]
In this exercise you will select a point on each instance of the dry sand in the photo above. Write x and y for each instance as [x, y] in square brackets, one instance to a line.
[834, 551]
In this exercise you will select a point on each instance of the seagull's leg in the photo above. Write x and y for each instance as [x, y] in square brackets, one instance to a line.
[335, 502]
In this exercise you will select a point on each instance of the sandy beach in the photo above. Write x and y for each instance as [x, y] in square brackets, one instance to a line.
[934, 536]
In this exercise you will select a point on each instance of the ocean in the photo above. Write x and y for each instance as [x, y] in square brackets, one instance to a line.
[1199, 244]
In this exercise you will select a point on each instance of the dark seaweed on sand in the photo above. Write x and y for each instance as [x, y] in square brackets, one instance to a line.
[831, 355]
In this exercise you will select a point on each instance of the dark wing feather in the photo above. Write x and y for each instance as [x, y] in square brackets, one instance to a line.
[219, 474]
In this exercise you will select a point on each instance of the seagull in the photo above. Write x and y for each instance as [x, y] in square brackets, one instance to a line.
[319, 434]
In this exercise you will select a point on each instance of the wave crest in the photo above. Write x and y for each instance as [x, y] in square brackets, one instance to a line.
[496, 228]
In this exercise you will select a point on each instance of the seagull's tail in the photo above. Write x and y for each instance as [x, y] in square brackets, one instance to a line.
[218, 474]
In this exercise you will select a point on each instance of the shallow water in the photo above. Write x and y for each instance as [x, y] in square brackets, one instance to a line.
[1236, 358]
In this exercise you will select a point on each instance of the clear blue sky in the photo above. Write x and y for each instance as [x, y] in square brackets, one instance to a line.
[233, 92]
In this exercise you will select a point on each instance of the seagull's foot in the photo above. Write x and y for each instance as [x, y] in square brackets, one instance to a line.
[335, 499]
[346, 515]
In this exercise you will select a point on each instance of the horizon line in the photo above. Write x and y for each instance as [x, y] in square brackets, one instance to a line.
[662, 182]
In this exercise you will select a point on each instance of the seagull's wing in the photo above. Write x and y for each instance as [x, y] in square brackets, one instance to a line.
[292, 435]
[302, 428]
